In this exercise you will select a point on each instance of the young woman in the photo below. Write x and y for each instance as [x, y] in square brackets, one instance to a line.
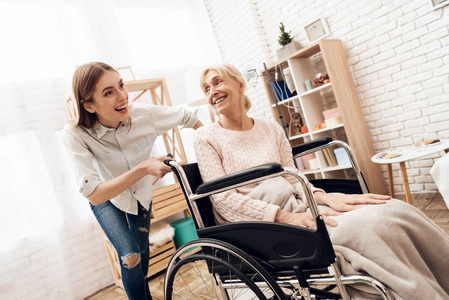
[372, 234]
[110, 144]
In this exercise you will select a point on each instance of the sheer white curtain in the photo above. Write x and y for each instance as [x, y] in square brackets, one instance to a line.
[50, 244]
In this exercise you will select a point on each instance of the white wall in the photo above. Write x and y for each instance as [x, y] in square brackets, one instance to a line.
[398, 53]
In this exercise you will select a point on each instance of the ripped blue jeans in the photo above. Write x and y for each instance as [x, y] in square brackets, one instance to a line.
[129, 235]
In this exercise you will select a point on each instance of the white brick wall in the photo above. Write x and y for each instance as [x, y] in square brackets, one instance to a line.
[398, 52]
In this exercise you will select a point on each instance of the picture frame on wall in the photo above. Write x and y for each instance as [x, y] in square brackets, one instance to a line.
[438, 3]
[318, 29]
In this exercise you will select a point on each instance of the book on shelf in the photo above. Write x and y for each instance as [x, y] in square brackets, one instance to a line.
[276, 97]
[282, 90]
[330, 157]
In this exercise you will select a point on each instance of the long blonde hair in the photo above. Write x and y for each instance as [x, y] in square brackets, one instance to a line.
[227, 71]
[84, 82]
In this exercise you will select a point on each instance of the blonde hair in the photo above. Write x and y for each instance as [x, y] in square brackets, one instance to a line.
[227, 71]
[84, 82]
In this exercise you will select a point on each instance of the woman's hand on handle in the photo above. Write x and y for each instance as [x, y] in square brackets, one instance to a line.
[111, 188]
[156, 166]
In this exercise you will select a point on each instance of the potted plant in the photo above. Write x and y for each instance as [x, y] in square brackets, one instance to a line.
[288, 44]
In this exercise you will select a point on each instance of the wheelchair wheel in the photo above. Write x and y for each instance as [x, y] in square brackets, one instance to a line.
[217, 270]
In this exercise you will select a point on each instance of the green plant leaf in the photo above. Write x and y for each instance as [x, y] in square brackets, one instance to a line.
[285, 37]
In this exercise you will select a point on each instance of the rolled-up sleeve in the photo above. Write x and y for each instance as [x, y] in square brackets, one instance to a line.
[87, 177]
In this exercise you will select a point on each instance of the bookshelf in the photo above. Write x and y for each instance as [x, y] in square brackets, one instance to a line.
[339, 93]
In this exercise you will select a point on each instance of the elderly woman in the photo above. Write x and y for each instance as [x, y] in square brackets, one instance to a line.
[372, 234]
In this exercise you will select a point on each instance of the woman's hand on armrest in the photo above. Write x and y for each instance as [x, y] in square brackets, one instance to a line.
[304, 219]
[348, 202]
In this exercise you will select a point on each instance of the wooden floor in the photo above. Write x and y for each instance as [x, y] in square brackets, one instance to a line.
[431, 204]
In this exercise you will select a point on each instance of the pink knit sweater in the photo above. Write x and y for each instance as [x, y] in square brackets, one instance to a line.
[220, 152]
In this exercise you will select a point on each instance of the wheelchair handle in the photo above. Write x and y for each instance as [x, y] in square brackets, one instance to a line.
[167, 162]
[310, 145]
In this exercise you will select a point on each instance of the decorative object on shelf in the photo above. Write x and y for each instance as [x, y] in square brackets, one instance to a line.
[316, 30]
[296, 124]
[320, 126]
[438, 3]
[331, 113]
[308, 85]
[288, 44]
[332, 117]
[314, 165]
[281, 90]
[321, 79]
[342, 157]
[300, 163]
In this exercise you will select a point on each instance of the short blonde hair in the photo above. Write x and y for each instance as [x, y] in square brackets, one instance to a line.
[227, 71]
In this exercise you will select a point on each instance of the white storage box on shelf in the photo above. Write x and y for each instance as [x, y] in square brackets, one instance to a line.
[342, 157]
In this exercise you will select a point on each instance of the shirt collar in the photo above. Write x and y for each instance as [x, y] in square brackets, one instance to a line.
[101, 130]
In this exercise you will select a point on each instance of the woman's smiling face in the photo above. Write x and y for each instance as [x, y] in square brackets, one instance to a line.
[223, 94]
[110, 100]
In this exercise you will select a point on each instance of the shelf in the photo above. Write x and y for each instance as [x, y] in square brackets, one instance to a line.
[298, 136]
[316, 90]
[327, 129]
[286, 101]
[328, 169]
[308, 172]
[336, 168]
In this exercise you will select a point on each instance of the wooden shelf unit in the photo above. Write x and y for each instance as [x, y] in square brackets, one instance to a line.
[326, 56]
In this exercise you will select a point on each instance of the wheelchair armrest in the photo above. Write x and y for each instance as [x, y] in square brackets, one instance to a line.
[238, 177]
[310, 145]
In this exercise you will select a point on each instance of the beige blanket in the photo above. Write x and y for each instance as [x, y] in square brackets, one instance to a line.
[394, 243]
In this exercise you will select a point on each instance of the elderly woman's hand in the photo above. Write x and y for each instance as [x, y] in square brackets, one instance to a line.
[344, 202]
[304, 219]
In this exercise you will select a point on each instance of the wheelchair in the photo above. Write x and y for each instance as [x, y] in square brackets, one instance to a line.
[260, 260]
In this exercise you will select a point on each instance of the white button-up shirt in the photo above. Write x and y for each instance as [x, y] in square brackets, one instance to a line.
[102, 153]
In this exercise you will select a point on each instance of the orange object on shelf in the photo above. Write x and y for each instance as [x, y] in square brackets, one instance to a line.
[320, 126]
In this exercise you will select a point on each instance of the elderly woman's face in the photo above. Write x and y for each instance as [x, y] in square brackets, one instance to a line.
[223, 94]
